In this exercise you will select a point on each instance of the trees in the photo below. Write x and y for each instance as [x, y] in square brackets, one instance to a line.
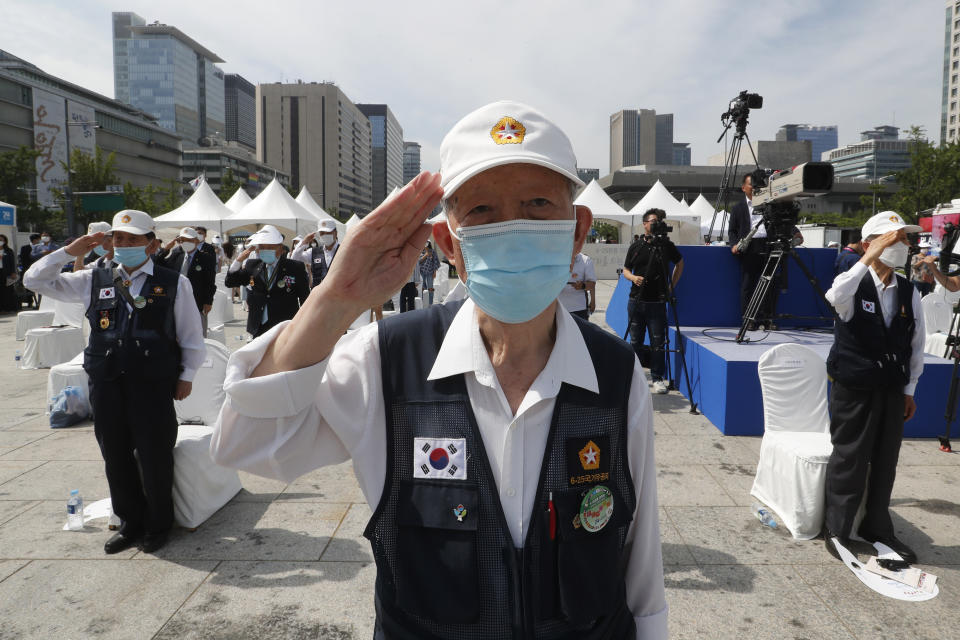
[933, 177]
[17, 171]
[229, 185]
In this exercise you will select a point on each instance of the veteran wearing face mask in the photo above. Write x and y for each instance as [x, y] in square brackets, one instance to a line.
[145, 348]
[276, 287]
[182, 254]
[504, 446]
[875, 362]
[318, 257]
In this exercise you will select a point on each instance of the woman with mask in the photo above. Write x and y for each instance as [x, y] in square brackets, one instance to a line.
[429, 263]
[8, 276]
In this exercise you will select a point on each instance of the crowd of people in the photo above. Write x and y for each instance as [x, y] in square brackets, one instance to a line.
[501, 433]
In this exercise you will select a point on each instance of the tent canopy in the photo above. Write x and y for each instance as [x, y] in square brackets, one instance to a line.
[659, 198]
[202, 208]
[238, 200]
[305, 200]
[273, 206]
[601, 205]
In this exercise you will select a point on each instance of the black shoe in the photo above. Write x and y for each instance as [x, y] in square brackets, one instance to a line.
[119, 542]
[152, 542]
[832, 548]
[893, 542]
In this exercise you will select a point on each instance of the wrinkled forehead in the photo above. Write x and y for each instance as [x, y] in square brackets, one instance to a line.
[515, 181]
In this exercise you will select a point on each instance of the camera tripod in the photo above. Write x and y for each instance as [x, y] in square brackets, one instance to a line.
[779, 248]
[952, 352]
[729, 171]
[656, 258]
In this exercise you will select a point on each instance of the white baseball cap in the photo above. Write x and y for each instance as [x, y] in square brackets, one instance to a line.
[189, 232]
[98, 227]
[327, 226]
[501, 133]
[268, 234]
[132, 221]
[885, 221]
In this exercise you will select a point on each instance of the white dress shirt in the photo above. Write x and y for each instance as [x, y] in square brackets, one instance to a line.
[841, 296]
[583, 271]
[45, 278]
[286, 424]
[302, 253]
[754, 219]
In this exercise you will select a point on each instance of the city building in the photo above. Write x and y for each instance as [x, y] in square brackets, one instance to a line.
[949, 114]
[640, 137]
[771, 154]
[44, 112]
[386, 150]
[821, 138]
[213, 163]
[160, 70]
[879, 154]
[588, 174]
[681, 153]
[240, 106]
[314, 133]
[411, 160]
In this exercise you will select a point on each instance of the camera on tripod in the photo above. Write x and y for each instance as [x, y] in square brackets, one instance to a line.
[949, 261]
[739, 108]
[659, 228]
[775, 195]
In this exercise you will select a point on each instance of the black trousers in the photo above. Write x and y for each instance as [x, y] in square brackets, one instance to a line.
[407, 295]
[866, 429]
[131, 414]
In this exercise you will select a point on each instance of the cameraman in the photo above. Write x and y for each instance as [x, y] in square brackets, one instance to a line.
[647, 262]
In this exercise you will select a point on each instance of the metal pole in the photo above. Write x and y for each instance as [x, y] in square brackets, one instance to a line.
[68, 205]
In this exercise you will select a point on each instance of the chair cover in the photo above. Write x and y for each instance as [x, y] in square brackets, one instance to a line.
[222, 310]
[203, 404]
[27, 320]
[217, 333]
[791, 473]
[200, 487]
[65, 375]
[937, 313]
[47, 346]
[69, 314]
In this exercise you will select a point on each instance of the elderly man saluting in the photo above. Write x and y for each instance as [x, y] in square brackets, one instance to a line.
[505, 447]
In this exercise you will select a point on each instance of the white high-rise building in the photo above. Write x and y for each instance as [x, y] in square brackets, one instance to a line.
[949, 114]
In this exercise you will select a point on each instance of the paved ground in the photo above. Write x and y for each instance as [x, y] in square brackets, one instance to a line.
[288, 560]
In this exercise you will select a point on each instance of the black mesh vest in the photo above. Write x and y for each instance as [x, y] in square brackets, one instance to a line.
[318, 264]
[443, 576]
[866, 353]
[140, 343]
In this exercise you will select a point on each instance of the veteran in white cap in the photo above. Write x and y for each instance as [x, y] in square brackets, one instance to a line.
[874, 363]
[182, 254]
[102, 254]
[145, 347]
[504, 446]
[276, 286]
[317, 250]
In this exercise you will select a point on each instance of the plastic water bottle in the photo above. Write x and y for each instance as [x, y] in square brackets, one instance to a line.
[763, 515]
[75, 511]
[17, 356]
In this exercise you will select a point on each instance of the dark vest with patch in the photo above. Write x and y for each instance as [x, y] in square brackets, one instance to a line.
[318, 264]
[443, 573]
[865, 352]
[140, 343]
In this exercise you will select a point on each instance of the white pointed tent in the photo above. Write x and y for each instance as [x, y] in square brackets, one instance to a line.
[352, 222]
[705, 210]
[202, 208]
[238, 200]
[305, 200]
[601, 205]
[273, 206]
[686, 225]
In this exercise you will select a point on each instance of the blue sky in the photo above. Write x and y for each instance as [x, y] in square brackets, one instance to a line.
[853, 63]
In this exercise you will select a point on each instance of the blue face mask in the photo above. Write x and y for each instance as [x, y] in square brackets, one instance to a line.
[100, 251]
[130, 256]
[516, 269]
[269, 256]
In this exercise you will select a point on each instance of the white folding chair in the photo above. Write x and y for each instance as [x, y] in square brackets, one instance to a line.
[937, 313]
[203, 404]
[791, 473]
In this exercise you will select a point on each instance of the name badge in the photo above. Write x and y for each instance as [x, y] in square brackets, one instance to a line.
[440, 458]
[108, 293]
[869, 307]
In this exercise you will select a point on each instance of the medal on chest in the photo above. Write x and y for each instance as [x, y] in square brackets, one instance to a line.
[139, 302]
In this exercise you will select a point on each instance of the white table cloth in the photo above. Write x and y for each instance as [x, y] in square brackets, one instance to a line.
[47, 346]
[27, 320]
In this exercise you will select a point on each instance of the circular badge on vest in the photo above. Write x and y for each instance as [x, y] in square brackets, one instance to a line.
[596, 508]
[104, 323]
[197, 268]
[139, 302]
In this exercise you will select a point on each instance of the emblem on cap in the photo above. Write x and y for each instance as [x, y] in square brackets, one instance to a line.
[508, 131]
[894, 219]
[125, 219]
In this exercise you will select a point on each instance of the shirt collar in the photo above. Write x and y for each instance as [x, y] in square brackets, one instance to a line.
[147, 269]
[463, 351]
[879, 284]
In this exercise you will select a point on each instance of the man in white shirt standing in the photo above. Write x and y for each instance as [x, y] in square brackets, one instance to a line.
[145, 348]
[319, 258]
[582, 283]
[505, 448]
[875, 362]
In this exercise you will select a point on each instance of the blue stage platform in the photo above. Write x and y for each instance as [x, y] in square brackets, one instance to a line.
[723, 374]
[726, 388]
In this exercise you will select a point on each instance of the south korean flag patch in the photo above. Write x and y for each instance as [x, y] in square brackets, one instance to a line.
[108, 293]
[869, 306]
[440, 458]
